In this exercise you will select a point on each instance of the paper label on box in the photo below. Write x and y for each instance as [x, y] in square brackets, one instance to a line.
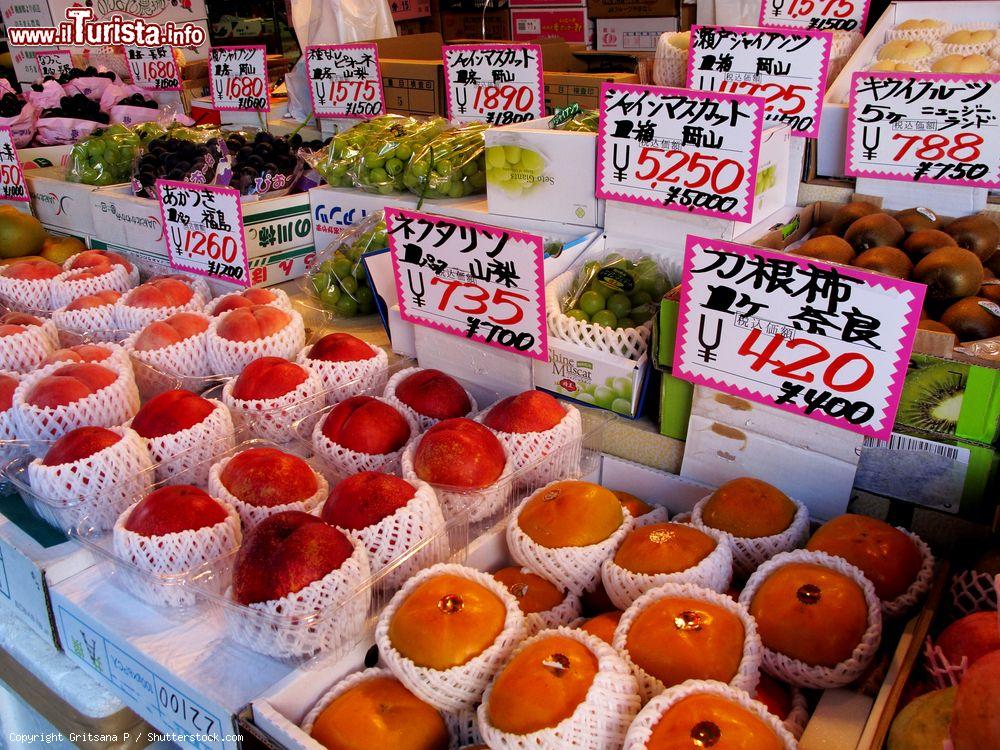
[829, 342]
[468, 279]
[154, 68]
[690, 151]
[786, 68]
[821, 15]
[925, 127]
[495, 83]
[12, 184]
[203, 230]
[53, 62]
[405, 10]
[22, 589]
[345, 80]
[917, 470]
[237, 77]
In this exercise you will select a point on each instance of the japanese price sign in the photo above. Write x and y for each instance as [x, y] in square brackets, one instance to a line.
[203, 230]
[237, 77]
[53, 62]
[785, 67]
[925, 127]
[345, 80]
[821, 15]
[154, 68]
[828, 342]
[470, 280]
[495, 83]
[12, 185]
[691, 151]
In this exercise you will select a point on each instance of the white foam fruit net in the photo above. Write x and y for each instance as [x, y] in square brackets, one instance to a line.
[550, 455]
[181, 365]
[65, 289]
[564, 613]
[230, 357]
[344, 462]
[276, 418]
[184, 457]
[343, 380]
[281, 301]
[425, 422]
[972, 591]
[129, 318]
[251, 514]
[23, 352]
[93, 323]
[27, 295]
[8, 426]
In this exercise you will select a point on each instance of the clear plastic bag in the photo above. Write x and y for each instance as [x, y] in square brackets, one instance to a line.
[580, 121]
[263, 164]
[338, 281]
[452, 165]
[617, 292]
[21, 124]
[105, 157]
[196, 155]
[380, 166]
[334, 161]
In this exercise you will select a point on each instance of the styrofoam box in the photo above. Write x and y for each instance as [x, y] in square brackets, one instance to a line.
[62, 207]
[632, 34]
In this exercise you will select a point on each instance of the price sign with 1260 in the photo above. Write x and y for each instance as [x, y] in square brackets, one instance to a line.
[786, 68]
[203, 230]
[821, 15]
[925, 127]
[345, 80]
[495, 83]
[154, 68]
[828, 342]
[238, 78]
[12, 185]
[690, 151]
[53, 62]
[470, 280]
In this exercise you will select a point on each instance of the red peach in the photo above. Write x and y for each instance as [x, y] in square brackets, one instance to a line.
[170, 412]
[160, 293]
[20, 319]
[972, 636]
[90, 258]
[32, 270]
[252, 323]
[79, 353]
[341, 347]
[8, 384]
[459, 453]
[68, 384]
[9, 330]
[267, 477]
[366, 425]
[434, 394]
[80, 443]
[169, 510]
[268, 377]
[98, 299]
[172, 330]
[89, 273]
[531, 411]
[365, 499]
[249, 298]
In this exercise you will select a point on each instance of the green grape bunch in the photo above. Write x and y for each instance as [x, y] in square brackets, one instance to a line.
[334, 162]
[340, 282]
[380, 166]
[452, 165]
[514, 169]
[617, 293]
[105, 157]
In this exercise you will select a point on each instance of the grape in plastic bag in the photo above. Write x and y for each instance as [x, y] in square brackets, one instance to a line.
[380, 166]
[334, 161]
[582, 121]
[19, 115]
[197, 155]
[105, 157]
[338, 281]
[263, 164]
[452, 165]
[617, 292]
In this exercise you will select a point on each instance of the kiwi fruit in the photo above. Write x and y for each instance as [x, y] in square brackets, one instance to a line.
[934, 325]
[931, 398]
[971, 320]
[990, 291]
[976, 233]
[924, 241]
[994, 263]
[829, 248]
[848, 214]
[917, 218]
[874, 230]
[823, 231]
[888, 261]
[949, 273]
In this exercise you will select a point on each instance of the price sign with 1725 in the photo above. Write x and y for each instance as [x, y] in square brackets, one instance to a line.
[498, 84]
[153, 68]
[203, 230]
[345, 80]
[12, 184]
[237, 77]
[820, 15]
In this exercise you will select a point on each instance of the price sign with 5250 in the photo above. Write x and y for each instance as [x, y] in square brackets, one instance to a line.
[345, 80]
[821, 15]
[925, 127]
[238, 78]
[495, 83]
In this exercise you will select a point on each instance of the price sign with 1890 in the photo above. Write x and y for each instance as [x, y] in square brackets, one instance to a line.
[820, 15]
[153, 68]
[12, 185]
[203, 230]
[470, 280]
[498, 84]
[237, 77]
[345, 80]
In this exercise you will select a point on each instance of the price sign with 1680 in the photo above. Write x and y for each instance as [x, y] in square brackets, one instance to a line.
[238, 78]
[470, 280]
[345, 80]
[204, 230]
[786, 68]
[154, 68]
[495, 83]
[12, 185]
[828, 342]
[821, 15]
[691, 151]
[53, 62]
[925, 127]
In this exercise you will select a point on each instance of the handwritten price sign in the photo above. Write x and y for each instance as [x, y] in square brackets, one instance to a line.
[237, 77]
[153, 68]
[825, 341]
[204, 230]
[691, 151]
[821, 15]
[345, 80]
[786, 68]
[495, 83]
[53, 62]
[470, 280]
[925, 127]
[12, 185]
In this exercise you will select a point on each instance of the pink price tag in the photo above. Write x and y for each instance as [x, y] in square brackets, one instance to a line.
[52, 63]
[12, 184]
[345, 80]
[237, 77]
[154, 68]
[498, 84]
[817, 15]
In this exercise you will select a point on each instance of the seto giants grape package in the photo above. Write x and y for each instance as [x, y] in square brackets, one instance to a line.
[197, 155]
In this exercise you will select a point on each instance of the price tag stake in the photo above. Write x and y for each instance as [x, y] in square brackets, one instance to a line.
[153, 68]
[495, 83]
[12, 184]
[819, 15]
[237, 77]
[345, 80]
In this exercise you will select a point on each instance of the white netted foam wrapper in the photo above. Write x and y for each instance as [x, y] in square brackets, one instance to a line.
[23, 352]
[230, 357]
[132, 275]
[844, 43]
[565, 612]
[463, 726]
[64, 289]
[936, 51]
[112, 405]
[749, 552]
[982, 48]
[943, 672]
[599, 722]
[95, 323]
[658, 514]
[343, 380]
[187, 358]
[185, 455]
[27, 295]
[458, 687]
[747, 673]
[251, 514]
[669, 62]
[345, 462]
[575, 569]
[798, 717]
[551, 454]
[425, 422]
[281, 301]
[972, 591]
[129, 318]
[642, 728]
[921, 35]
[799, 673]
[89, 494]
[324, 616]
[921, 584]
[168, 559]
[275, 418]
[8, 426]
[714, 571]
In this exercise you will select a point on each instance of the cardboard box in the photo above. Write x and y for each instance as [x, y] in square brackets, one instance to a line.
[547, 3]
[633, 8]
[407, 10]
[563, 89]
[468, 24]
[412, 74]
[632, 34]
[570, 24]
[62, 207]
[675, 405]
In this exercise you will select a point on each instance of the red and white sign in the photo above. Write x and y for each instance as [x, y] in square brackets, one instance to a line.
[53, 62]
[925, 127]
[495, 83]
[470, 280]
[407, 10]
[154, 68]
[12, 185]
[345, 80]
[237, 77]
[820, 15]
[690, 151]
[570, 24]
[828, 342]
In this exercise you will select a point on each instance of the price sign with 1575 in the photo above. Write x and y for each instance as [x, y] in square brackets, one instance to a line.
[345, 80]
[154, 68]
[53, 62]
[925, 127]
[495, 83]
[237, 77]
[821, 15]
[828, 342]
[203, 230]
[470, 280]
[786, 68]
[12, 185]
[690, 151]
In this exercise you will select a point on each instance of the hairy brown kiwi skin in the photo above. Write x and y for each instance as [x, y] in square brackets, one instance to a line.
[990, 291]
[888, 261]
[824, 230]
[971, 321]
[924, 241]
[829, 248]
[976, 233]
[848, 214]
[914, 219]
[949, 273]
[874, 230]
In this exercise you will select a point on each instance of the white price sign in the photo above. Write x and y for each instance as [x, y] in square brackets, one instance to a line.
[821, 15]
[786, 68]
[154, 68]
[690, 151]
[345, 80]
[237, 77]
[12, 184]
[495, 83]
[470, 280]
[52, 63]
[203, 230]
[925, 127]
